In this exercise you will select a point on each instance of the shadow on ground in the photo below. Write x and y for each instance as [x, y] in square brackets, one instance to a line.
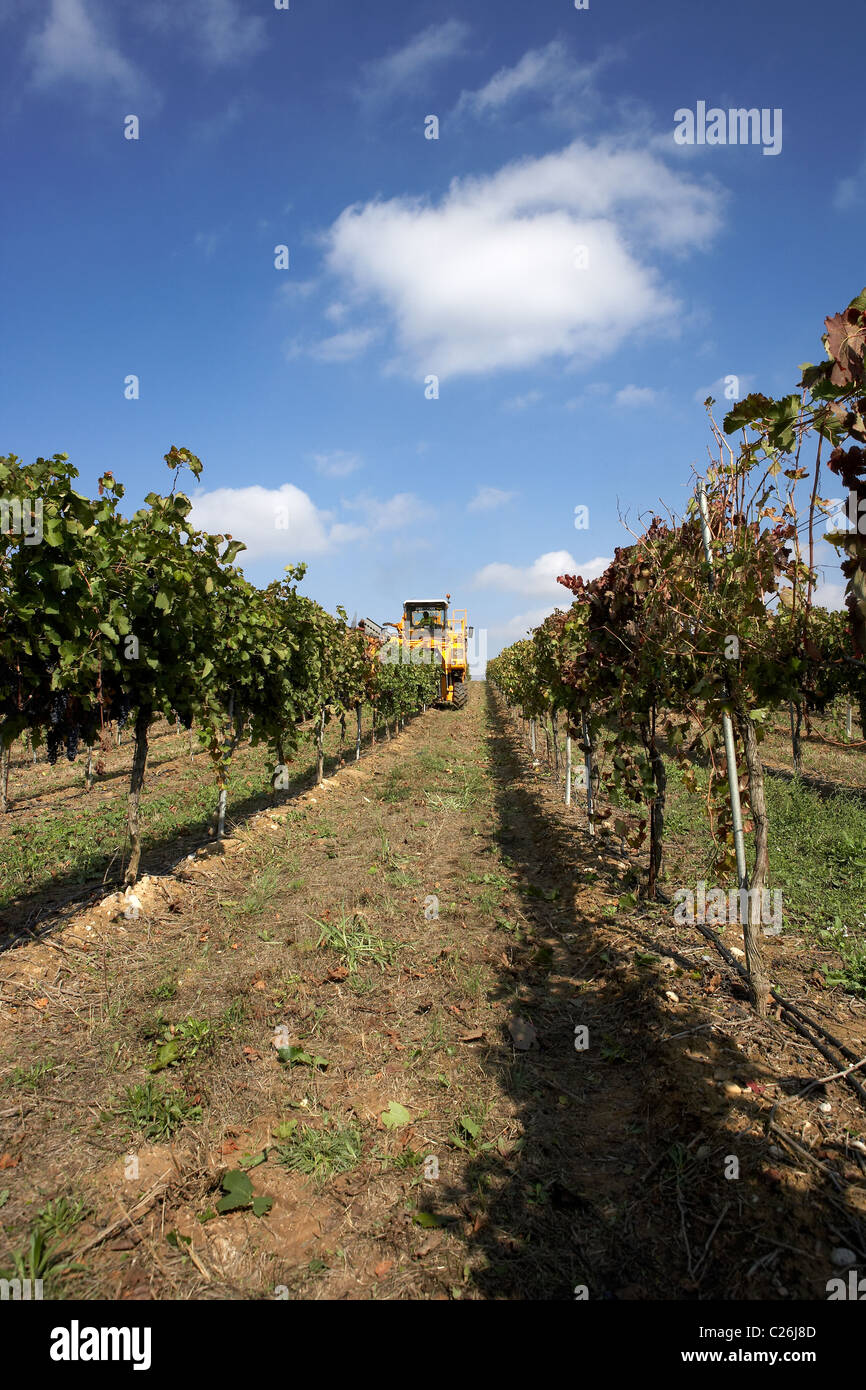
[622, 1184]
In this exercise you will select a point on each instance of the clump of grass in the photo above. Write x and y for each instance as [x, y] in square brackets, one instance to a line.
[260, 895]
[41, 1260]
[157, 1110]
[321, 1153]
[60, 1216]
[351, 938]
[398, 784]
[31, 1078]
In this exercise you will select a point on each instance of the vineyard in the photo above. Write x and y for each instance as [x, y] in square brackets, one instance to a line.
[149, 617]
[556, 992]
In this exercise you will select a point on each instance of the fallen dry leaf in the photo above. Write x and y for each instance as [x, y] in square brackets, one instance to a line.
[382, 1268]
[475, 1036]
[7, 1161]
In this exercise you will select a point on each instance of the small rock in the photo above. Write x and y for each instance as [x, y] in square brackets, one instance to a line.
[732, 1089]
[841, 1258]
[674, 998]
[704, 1151]
[776, 1151]
[825, 1107]
[735, 951]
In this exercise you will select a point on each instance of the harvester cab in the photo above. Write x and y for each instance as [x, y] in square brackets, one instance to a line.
[427, 633]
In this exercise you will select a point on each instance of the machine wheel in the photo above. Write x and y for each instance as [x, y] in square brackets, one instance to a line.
[461, 694]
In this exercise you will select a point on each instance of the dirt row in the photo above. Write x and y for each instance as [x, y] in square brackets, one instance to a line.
[407, 1011]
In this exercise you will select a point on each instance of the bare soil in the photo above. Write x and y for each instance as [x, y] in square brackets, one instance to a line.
[669, 1158]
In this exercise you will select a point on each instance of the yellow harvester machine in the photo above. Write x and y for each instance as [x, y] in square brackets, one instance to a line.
[427, 633]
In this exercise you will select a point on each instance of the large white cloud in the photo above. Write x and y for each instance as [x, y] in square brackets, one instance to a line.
[539, 578]
[491, 276]
[285, 521]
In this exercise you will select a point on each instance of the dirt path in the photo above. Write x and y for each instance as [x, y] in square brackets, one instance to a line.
[458, 1144]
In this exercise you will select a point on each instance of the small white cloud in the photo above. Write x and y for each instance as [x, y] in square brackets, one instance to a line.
[296, 289]
[487, 499]
[851, 191]
[336, 464]
[72, 47]
[590, 395]
[405, 67]
[402, 510]
[566, 87]
[522, 402]
[207, 242]
[540, 577]
[503, 634]
[342, 347]
[631, 396]
[270, 521]
[217, 31]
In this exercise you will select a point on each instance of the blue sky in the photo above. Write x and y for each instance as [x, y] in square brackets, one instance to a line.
[565, 378]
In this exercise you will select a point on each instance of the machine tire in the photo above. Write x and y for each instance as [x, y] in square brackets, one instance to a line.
[461, 694]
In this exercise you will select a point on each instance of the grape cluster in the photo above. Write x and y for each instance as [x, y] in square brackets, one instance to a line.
[57, 709]
[122, 709]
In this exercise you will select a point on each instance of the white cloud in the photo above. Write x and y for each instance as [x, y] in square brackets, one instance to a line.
[217, 31]
[286, 522]
[522, 624]
[342, 347]
[402, 510]
[72, 46]
[522, 402]
[336, 464]
[256, 516]
[487, 499]
[549, 73]
[851, 191]
[207, 242]
[540, 577]
[297, 289]
[635, 396]
[405, 66]
[829, 595]
[590, 395]
[486, 279]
